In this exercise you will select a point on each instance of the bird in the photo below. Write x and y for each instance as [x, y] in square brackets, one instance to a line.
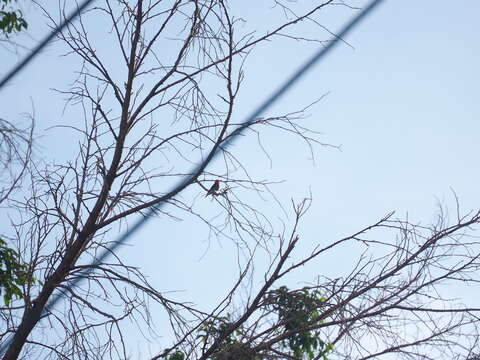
[213, 190]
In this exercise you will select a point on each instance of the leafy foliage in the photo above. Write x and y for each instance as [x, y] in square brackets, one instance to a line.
[13, 274]
[232, 347]
[298, 311]
[178, 355]
[11, 19]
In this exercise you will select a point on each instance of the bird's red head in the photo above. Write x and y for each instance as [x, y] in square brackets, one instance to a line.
[217, 182]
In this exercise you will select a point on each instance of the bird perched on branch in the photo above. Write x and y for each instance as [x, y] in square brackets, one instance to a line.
[213, 190]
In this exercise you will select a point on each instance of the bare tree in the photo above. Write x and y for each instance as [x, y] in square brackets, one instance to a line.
[173, 97]
[15, 154]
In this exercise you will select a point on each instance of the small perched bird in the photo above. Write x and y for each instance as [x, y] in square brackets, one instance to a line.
[213, 190]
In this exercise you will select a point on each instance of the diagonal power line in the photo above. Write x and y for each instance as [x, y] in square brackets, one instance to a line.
[273, 98]
[36, 51]
[292, 80]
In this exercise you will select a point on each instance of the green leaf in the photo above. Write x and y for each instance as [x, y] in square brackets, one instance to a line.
[11, 19]
[13, 273]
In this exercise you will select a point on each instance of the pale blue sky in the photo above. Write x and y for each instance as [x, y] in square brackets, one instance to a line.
[403, 105]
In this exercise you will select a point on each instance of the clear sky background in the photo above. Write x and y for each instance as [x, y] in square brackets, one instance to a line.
[402, 103]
